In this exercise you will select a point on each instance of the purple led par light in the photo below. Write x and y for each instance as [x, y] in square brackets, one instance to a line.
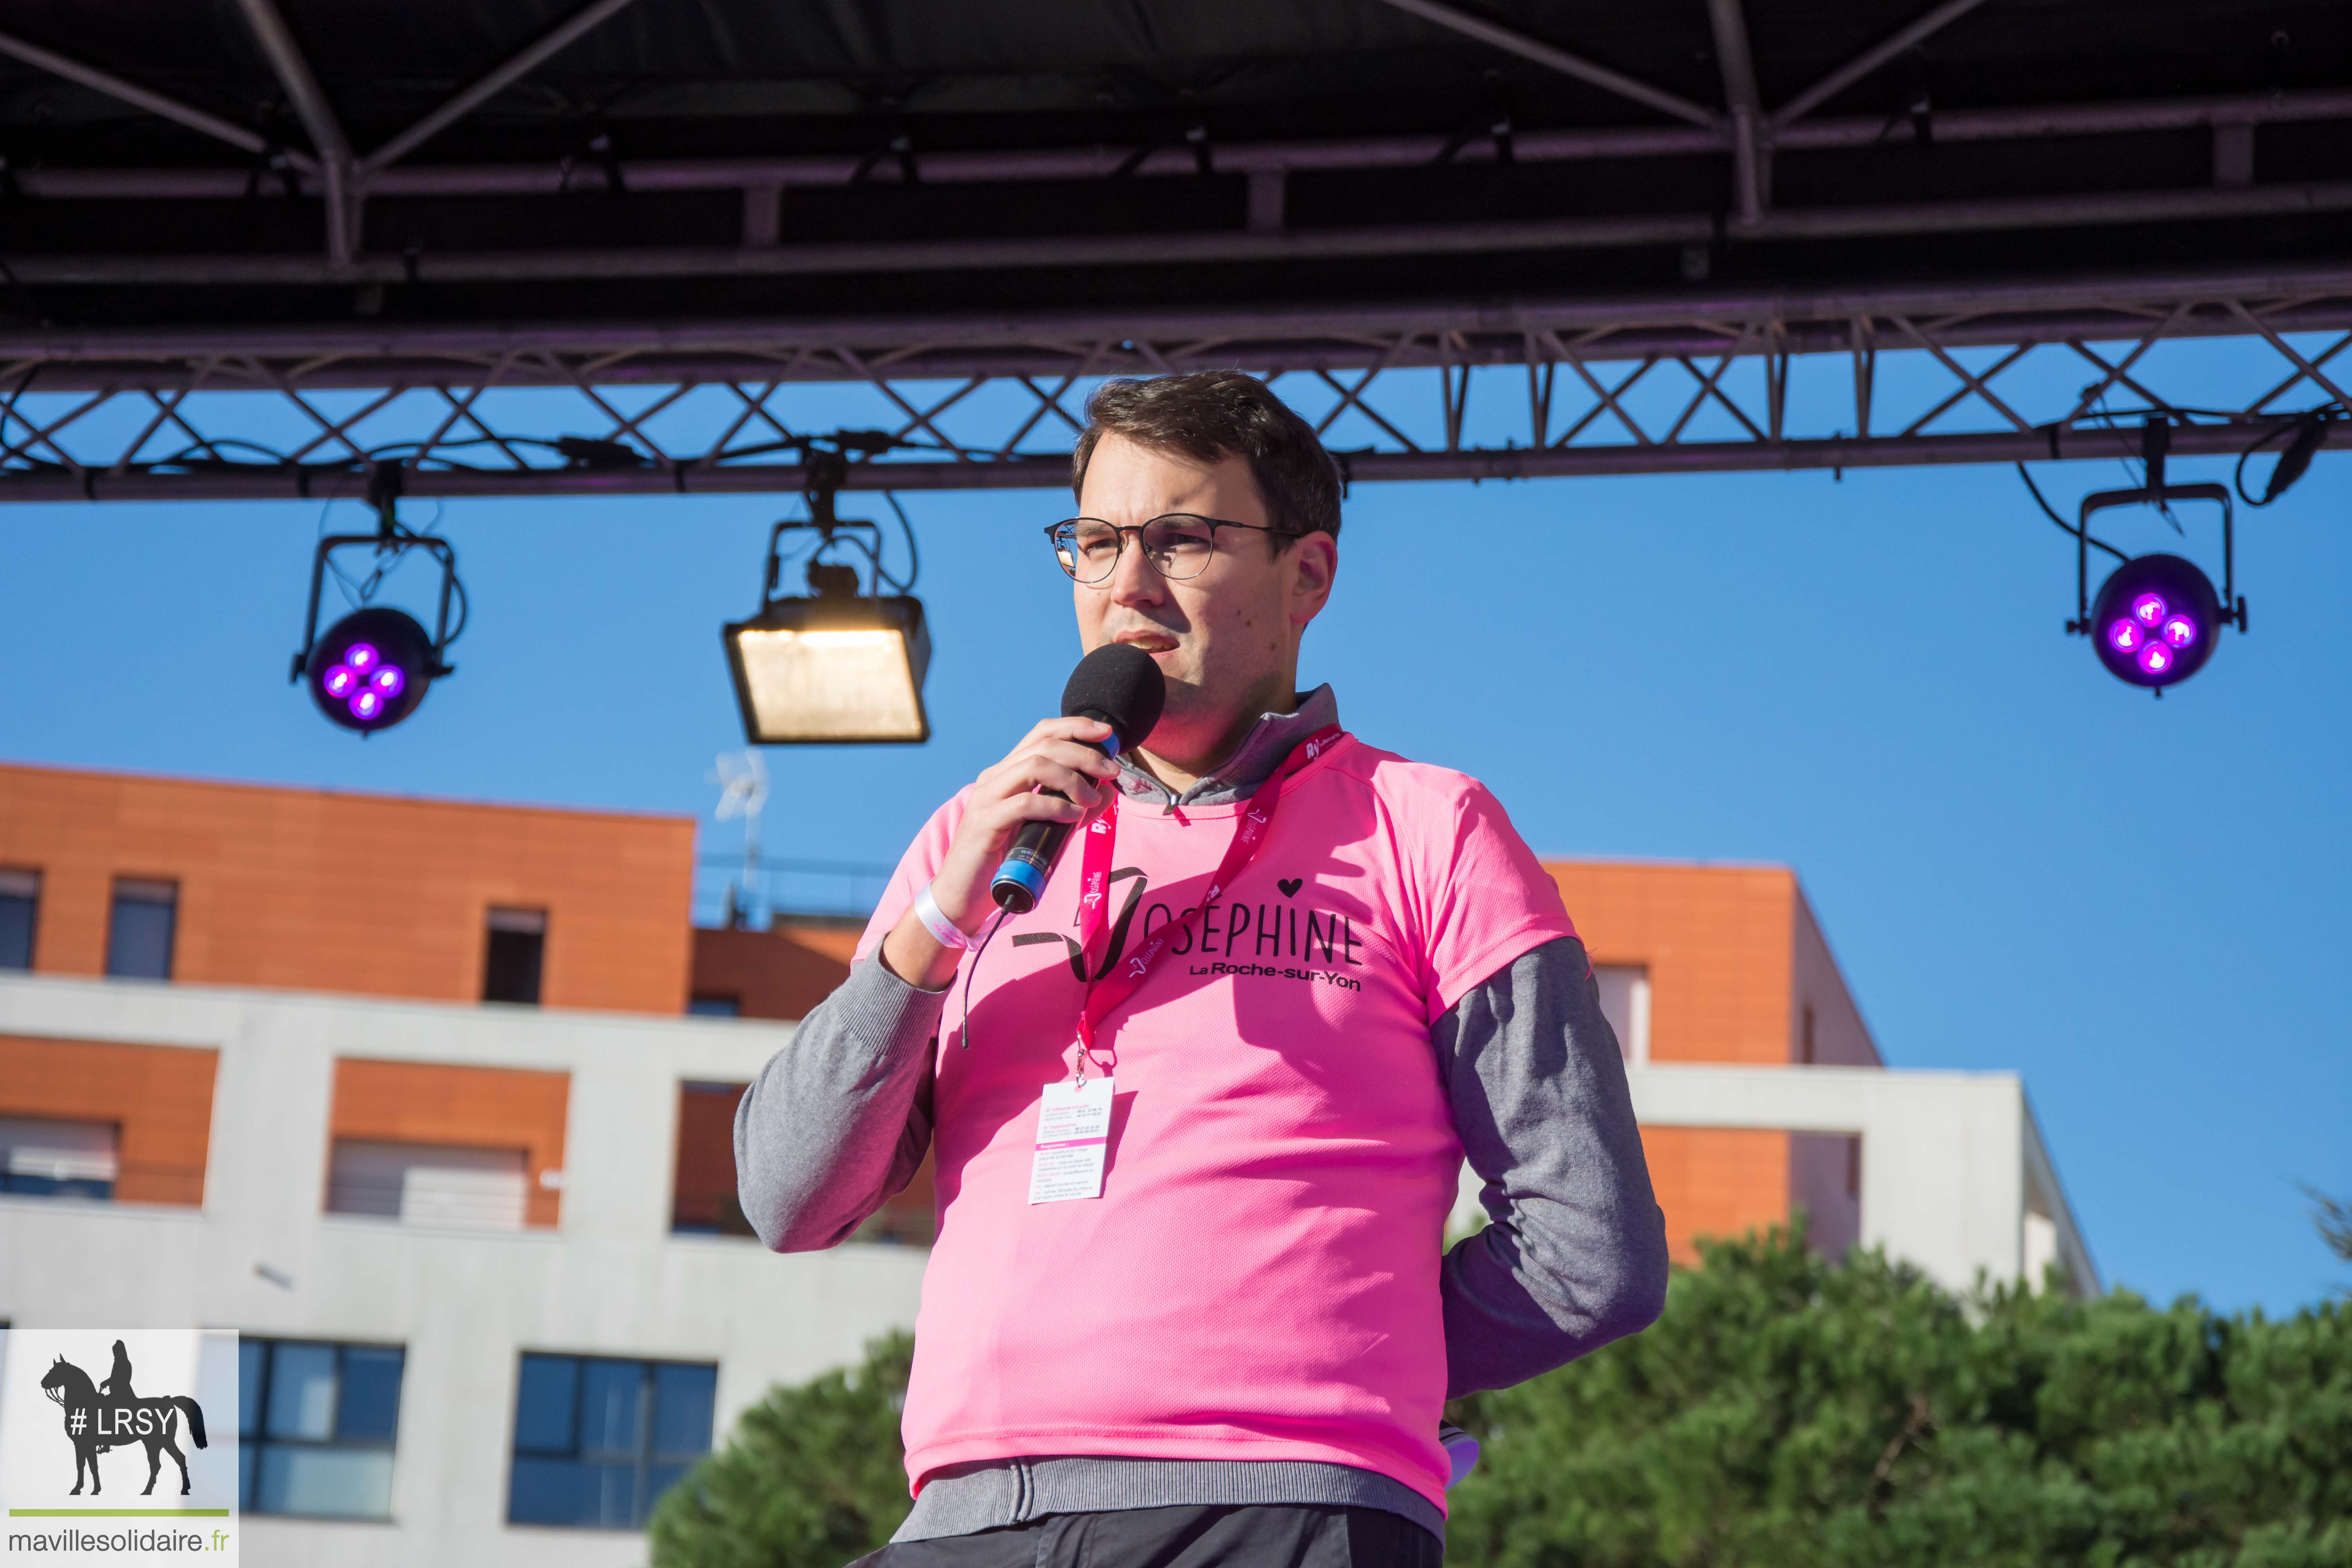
[369, 670]
[2154, 621]
[2157, 619]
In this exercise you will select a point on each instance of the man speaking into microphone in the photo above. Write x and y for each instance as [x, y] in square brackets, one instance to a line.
[1199, 1115]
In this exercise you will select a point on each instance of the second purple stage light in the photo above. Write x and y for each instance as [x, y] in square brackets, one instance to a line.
[2155, 617]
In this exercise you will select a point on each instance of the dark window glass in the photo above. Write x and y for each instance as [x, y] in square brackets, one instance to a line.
[608, 1407]
[318, 1423]
[683, 1396]
[518, 943]
[598, 1440]
[138, 933]
[716, 1007]
[20, 905]
[368, 1403]
[545, 1404]
[302, 1393]
[252, 1362]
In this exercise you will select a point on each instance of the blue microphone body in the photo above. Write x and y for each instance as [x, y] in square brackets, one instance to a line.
[1020, 881]
[1117, 685]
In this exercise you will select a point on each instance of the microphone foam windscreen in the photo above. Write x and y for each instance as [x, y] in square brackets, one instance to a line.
[1121, 685]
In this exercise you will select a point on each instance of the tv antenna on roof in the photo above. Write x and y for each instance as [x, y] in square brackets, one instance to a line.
[742, 781]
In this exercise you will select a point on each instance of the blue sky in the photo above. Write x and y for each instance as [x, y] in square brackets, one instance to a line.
[2021, 863]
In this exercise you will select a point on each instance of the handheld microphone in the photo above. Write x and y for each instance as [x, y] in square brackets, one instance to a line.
[1118, 685]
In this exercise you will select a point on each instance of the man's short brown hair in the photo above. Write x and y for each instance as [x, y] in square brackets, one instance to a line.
[1210, 415]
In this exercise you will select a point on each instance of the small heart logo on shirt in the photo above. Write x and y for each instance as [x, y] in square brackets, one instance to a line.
[1289, 885]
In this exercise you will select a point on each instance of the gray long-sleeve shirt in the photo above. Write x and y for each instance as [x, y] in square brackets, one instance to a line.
[1576, 1255]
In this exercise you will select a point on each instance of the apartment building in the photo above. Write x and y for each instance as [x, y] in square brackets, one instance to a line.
[1760, 1091]
[433, 1101]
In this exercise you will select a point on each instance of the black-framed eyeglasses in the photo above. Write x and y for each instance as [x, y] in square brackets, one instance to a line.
[1177, 545]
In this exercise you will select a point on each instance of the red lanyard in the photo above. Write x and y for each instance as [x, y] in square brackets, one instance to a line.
[1094, 886]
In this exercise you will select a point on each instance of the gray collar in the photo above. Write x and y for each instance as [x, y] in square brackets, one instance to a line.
[1238, 776]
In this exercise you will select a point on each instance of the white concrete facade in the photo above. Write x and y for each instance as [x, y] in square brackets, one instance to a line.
[610, 1279]
[1955, 1177]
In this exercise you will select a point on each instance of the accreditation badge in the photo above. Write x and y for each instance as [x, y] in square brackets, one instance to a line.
[1072, 1140]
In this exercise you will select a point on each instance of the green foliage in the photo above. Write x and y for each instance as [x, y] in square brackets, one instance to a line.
[813, 1477]
[1787, 1411]
[2331, 1217]
[1783, 1411]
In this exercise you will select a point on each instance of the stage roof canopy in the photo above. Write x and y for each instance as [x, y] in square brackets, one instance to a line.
[936, 154]
[336, 192]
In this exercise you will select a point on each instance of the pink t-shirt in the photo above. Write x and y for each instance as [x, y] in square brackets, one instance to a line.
[1259, 1279]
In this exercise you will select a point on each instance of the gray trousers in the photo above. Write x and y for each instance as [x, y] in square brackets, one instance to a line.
[1214, 1535]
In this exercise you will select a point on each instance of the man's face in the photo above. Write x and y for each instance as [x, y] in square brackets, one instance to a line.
[1227, 640]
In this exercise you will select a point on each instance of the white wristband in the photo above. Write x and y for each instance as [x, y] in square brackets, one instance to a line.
[944, 931]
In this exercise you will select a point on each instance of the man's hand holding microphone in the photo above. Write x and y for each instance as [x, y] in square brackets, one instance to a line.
[1020, 812]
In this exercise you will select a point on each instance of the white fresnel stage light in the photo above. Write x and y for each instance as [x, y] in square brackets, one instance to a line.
[833, 669]
[841, 665]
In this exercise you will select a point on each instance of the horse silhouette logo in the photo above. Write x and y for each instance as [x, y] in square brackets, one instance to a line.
[112, 1415]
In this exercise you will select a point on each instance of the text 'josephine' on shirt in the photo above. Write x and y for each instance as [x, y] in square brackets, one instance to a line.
[1259, 1280]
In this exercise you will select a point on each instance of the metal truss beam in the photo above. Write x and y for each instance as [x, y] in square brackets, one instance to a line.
[1869, 61]
[319, 121]
[520, 64]
[2218, 114]
[2204, 204]
[1511, 41]
[242, 137]
[1496, 390]
[1751, 167]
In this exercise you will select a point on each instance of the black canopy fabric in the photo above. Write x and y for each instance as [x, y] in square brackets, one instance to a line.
[655, 137]
[709, 78]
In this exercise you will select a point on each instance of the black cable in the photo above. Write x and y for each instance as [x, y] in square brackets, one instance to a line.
[2310, 431]
[2061, 523]
[465, 608]
[963, 1034]
[914, 559]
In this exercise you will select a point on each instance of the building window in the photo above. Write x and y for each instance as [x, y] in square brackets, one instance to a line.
[138, 932]
[47, 1159]
[316, 1424]
[20, 905]
[518, 943]
[598, 1441]
[716, 1007]
[429, 1185]
[1810, 1052]
[1625, 1003]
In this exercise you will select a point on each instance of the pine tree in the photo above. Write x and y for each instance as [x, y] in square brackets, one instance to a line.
[813, 1477]
[1785, 1411]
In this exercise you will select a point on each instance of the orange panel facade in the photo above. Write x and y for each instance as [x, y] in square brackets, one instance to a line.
[158, 1098]
[1720, 1182]
[1716, 940]
[1738, 969]
[1739, 972]
[461, 1106]
[833, 936]
[377, 895]
[774, 973]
